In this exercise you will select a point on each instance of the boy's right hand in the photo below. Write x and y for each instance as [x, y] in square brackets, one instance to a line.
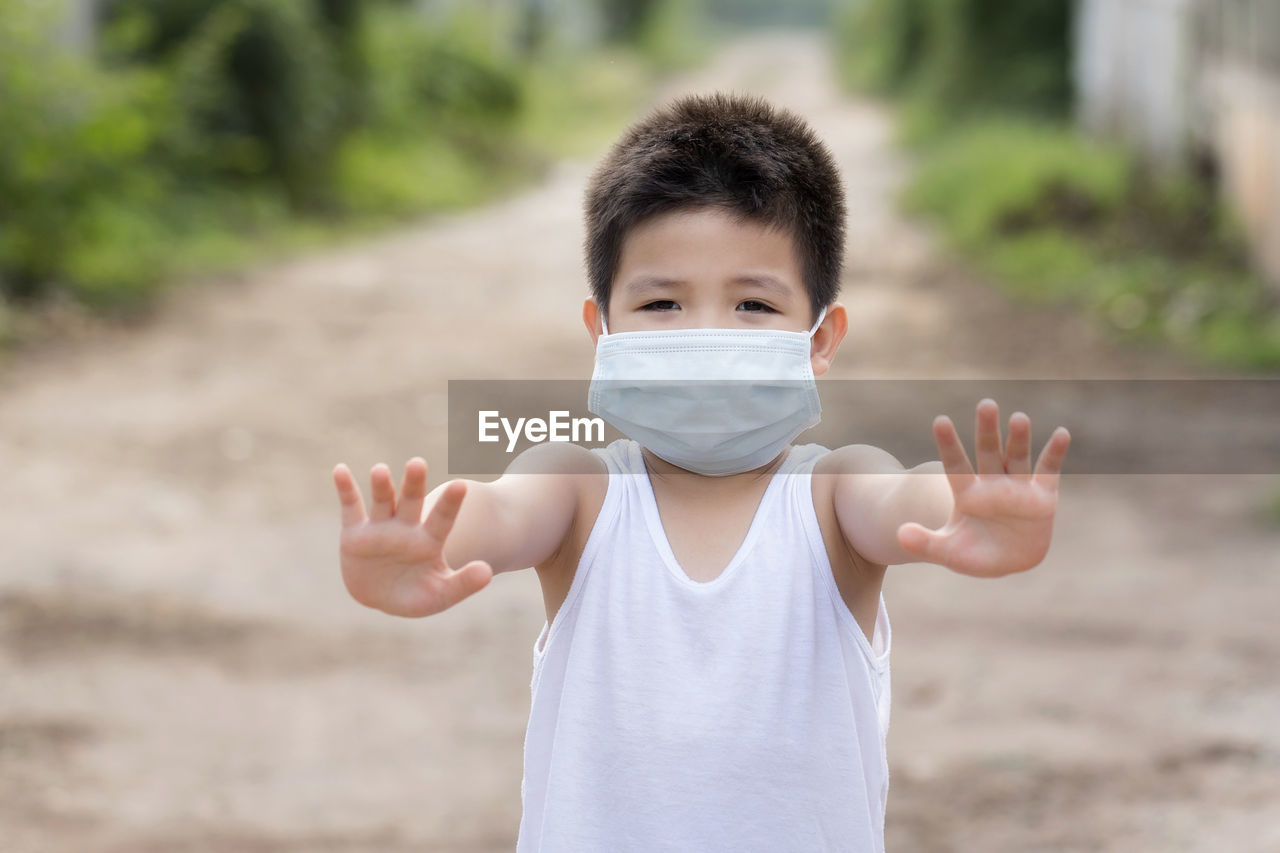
[392, 558]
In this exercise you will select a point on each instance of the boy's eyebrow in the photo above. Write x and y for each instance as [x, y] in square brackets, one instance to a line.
[645, 282]
[765, 280]
[768, 282]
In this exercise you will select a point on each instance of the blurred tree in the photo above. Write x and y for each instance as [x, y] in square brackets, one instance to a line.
[342, 21]
[447, 76]
[883, 42]
[626, 20]
[1002, 53]
[73, 152]
[531, 32]
[260, 83]
[765, 13]
[963, 53]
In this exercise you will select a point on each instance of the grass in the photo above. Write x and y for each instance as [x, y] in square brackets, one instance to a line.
[1052, 216]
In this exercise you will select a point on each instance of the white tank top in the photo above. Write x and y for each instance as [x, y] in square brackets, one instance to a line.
[745, 713]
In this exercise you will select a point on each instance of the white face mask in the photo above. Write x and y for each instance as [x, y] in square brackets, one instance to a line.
[714, 401]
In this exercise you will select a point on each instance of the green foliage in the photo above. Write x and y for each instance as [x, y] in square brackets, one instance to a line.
[1053, 216]
[676, 35]
[209, 132]
[983, 85]
[961, 54]
[669, 34]
[73, 144]
[448, 77]
[578, 103]
[387, 177]
[441, 109]
[625, 21]
[882, 43]
[258, 87]
[1001, 176]
[1003, 53]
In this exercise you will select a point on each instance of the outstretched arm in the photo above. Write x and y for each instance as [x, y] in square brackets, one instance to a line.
[990, 522]
[399, 556]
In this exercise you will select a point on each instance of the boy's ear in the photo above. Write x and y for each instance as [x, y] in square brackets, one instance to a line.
[826, 340]
[591, 317]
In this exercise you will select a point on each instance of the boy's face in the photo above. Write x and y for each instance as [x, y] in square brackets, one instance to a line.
[702, 269]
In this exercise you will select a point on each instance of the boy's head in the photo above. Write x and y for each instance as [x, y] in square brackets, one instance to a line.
[735, 157]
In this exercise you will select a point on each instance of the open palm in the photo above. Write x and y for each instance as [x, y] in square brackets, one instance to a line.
[1003, 516]
[392, 558]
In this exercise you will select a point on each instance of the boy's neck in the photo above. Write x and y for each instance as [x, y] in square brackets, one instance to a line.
[660, 470]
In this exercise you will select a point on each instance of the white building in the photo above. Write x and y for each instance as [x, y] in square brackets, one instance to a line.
[1173, 77]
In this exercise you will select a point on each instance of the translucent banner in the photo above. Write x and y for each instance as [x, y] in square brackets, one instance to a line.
[1129, 426]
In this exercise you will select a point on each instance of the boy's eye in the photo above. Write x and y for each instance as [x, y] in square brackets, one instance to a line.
[755, 307]
[660, 305]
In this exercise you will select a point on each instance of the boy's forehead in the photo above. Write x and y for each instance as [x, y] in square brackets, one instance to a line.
[666, 248]
[705, 218]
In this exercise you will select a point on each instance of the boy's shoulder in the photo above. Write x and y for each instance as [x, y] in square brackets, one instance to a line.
[858, 459]
[559, 457]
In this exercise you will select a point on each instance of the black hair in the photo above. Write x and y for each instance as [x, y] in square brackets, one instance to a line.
[728, 151]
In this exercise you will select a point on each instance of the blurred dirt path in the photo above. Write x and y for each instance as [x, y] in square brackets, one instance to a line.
[181, 670]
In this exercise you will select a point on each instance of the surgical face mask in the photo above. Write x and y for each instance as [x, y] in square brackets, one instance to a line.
[714, 401]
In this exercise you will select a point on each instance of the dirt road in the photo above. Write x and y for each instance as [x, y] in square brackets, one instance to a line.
[181, 669]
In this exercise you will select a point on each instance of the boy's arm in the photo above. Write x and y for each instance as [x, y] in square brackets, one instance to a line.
[991, 522]
[874, 495]
[398, 557]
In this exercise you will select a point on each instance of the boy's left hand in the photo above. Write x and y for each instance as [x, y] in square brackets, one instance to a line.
[1003, 515]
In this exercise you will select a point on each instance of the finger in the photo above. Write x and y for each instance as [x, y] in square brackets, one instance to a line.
[468, 580]
[954, 460]
[1049, 465]
[348, 496]
[413, 490]
[384, 493]
[987, 438]
[1017, 453]
[921, 542]
[440, 520]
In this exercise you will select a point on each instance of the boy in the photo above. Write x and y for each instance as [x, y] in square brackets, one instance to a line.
[713, 673]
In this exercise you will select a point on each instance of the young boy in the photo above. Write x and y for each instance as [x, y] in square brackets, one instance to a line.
[713, 673]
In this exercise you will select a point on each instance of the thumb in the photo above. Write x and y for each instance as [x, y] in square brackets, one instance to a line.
[918, 540]
[470, 579]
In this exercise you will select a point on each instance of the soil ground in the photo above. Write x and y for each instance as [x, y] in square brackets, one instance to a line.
[182, 670]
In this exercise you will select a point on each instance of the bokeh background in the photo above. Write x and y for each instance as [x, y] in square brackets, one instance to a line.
[243, 240]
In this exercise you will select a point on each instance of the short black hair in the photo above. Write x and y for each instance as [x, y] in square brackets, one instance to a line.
[728, 151]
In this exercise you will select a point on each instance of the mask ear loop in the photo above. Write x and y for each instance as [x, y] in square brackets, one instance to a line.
[821, 316]
[604, 327]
